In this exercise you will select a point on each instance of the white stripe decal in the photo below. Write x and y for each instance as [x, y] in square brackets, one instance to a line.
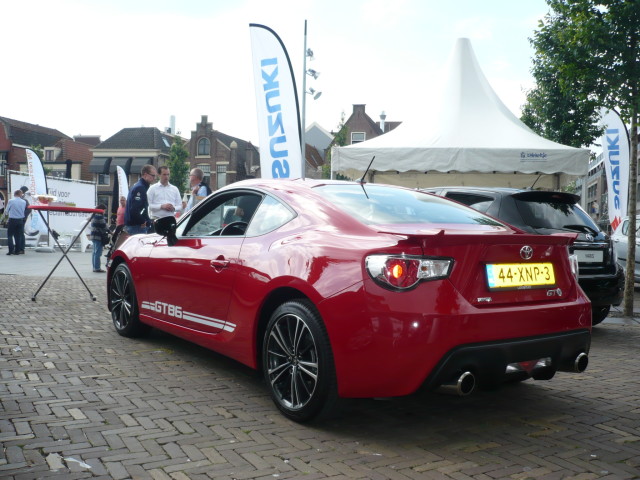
[176, 312]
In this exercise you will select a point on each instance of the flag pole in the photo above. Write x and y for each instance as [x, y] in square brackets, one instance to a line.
[303, 141]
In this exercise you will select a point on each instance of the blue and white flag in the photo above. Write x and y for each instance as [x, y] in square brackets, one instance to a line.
[277, 105]
[615, 150]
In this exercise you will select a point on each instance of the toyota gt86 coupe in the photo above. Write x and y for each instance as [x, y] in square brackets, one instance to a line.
[344, 290]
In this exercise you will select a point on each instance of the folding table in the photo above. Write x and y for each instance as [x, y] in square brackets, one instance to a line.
[66, 210]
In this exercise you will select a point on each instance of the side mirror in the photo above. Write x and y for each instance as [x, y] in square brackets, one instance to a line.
[166, 226]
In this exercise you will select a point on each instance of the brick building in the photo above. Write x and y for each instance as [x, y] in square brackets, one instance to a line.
[131, 149]
[63, 156]
[361, 127]
[223, 159]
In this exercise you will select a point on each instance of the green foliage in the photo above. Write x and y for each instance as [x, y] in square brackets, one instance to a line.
[571, 188]
[178, 165]
[38, 150]
[586, 56]
[339, 140]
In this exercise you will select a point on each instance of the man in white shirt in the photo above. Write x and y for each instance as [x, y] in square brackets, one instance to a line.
[164, 198]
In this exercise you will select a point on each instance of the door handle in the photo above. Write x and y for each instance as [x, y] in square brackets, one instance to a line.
[219, 263]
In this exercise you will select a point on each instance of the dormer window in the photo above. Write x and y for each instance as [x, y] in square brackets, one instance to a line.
[357, 137]
[204, 146]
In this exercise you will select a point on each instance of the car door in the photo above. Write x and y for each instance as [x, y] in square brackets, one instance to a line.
[620, 239]
[192, 281]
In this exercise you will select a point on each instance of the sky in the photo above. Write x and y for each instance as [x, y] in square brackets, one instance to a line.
[94, 67]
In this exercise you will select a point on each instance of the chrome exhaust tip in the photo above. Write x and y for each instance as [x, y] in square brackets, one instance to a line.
[580, 363]
[462, 386]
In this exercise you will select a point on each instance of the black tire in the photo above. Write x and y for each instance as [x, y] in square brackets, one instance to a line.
[598, 314]
[124, 304]
[298, 362]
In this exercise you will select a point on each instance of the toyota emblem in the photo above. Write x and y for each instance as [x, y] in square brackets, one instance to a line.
[526, 252]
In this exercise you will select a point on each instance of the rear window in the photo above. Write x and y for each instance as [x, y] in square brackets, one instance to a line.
[552, 214]
[379, 204]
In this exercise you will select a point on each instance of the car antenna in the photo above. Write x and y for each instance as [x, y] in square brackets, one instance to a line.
[534, 183]
[361, 179]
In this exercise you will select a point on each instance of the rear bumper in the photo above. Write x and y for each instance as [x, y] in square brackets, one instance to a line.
[604, 290]
[488, 361]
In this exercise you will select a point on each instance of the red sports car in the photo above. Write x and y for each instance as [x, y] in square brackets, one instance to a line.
[344, 289]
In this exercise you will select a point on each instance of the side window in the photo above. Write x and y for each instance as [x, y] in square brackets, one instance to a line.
[475, 201]
[270, 215]
[205, 221]
[211, 217]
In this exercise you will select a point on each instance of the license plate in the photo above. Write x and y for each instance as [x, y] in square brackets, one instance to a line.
[520, 275]
[589, 256]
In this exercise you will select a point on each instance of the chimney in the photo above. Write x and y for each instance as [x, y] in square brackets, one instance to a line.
[383, 117]
[172, 124]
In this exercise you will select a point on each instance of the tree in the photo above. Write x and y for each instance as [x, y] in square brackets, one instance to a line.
[587, 57]
[339, 140]
[177, 164]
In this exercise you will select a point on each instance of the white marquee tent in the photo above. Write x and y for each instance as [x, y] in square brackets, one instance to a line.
[468, 137]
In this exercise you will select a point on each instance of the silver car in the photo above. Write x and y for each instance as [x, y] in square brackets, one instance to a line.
[621, 244]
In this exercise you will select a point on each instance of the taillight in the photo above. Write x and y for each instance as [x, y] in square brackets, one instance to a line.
[400, 272]
[575, 267]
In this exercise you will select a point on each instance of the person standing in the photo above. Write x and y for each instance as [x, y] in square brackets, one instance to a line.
[136, 214]
[120, 213]
[164, 198]
[198, 187]
[98, 235]
[15, 210]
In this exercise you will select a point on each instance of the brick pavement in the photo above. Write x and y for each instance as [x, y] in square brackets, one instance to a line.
[78, 401]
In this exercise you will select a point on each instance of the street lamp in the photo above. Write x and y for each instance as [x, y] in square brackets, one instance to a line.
[315, 94]
[308, 53]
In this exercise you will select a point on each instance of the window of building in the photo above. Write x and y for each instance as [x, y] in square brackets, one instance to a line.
[221, 176]
[58, 173]
[49, 155]
[104, 179]
[357, 137]
[204, 146]
[3, 163]
[104, 199]
[206, 169]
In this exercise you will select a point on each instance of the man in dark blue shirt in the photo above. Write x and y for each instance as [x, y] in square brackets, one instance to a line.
[136, 214]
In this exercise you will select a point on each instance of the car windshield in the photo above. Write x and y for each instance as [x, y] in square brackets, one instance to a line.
[555, 215]
[379, 204]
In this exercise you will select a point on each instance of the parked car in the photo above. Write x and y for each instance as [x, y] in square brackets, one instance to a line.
[342, 289]
[601, 277]
[621, 244]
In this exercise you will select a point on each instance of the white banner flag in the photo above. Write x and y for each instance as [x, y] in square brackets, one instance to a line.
[123, 184]
[615, 150]
[277, 105]
[37, 179]
[37, 186]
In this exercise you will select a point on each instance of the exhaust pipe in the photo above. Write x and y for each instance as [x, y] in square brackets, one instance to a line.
[462, 386]
[578, 365]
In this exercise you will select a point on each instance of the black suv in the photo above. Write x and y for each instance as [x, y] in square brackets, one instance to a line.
[600, 276]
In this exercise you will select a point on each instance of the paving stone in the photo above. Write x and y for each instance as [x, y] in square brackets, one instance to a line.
[162, 408]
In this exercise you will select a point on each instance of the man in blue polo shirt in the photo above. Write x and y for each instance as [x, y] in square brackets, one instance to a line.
[15, 210]
[136, 214]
